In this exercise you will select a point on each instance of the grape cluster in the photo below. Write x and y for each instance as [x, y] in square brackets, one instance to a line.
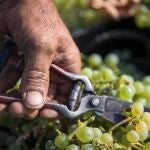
[89, 132]
[142, 16]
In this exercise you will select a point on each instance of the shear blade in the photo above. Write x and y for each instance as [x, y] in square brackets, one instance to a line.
[111, 117]
[114, 108]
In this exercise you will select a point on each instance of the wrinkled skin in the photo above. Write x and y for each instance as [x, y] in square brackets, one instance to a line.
[39, 32]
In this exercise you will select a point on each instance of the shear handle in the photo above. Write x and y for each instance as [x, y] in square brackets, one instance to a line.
[75, 77]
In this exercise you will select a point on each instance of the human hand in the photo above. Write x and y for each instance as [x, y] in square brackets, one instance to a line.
[115, 8]
[39, 32]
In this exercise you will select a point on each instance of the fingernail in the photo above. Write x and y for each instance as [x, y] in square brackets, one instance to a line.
[34, 100]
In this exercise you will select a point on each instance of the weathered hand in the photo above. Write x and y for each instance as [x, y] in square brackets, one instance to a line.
[40, 33]
[115, 8]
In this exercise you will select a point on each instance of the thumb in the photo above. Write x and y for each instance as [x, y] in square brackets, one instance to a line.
[35, 78]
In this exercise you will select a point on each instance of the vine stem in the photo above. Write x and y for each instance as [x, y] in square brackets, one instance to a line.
[80, 125]
[119, 124]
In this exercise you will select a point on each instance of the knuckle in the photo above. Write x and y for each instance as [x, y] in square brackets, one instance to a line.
[42, 44]
[35, 79]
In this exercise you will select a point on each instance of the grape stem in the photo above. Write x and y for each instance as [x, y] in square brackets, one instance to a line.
[119, 124]
[136, 147]
[81, 124]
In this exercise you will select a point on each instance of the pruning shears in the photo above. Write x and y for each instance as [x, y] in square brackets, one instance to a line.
[82, 98]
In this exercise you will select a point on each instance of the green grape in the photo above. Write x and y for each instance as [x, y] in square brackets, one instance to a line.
[112, 59]
[126, 79]
[142, 9]
[146, 119]
[87, 147]
[137, 109]
[141, 126]
[142, 20]
[49, 145]
[85, 134]
[97, 133]
[62, 141]
[143, 135]
[139, 87]
[146, 92]
[107, 74]
[72, 147]
[146, 80]
[141, 16]
[117, 146]
[88, 72]
[133, 136]
[141, 100]
[95, 60]
[106, 138]
[96, 76]
[126, 92]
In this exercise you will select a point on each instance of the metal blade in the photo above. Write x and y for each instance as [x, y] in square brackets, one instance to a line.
[114, 108]
[111, 117]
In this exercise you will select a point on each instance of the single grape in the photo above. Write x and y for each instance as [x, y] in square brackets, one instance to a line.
[72, 147]
[143, 135]
[141, 126]
[106, 138]
[116, 146]
[146, 117]
[97, 133]
[139, 87]
[126, 92]
[133, 136]
[142, 9]
[107, 74]
[95, 60]
[146, 92]
[87, 147]
[62, 141]
[142, 20]
[96, 76]
[146, 80]
[126, 79]
[85, 134]
[112, 59]
[88, 72]
[137, 109]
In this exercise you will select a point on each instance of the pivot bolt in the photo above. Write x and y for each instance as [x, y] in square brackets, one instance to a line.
[95, 102]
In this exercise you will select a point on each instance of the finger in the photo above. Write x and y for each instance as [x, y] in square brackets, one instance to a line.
[49, 113]
[9, 75]
[17, 108]
[35, 79]
[2, 107]
[68, 56]
[111, 10]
